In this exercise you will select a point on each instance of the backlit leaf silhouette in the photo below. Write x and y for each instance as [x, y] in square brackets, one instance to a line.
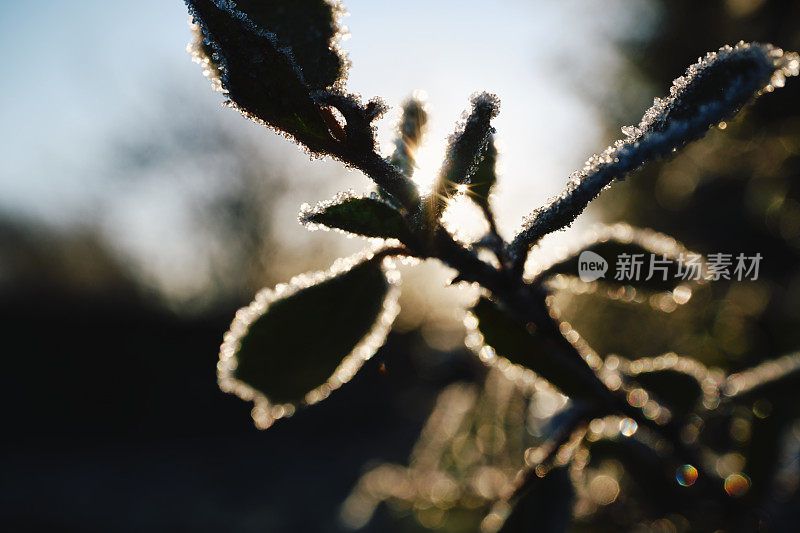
[484, 177]
[466, 149]
[409, 136]
[611, 241]
[296, 343]
[279, 64]
[309, 28]
[249, 49]
[513, 343]
[368, 216]
[678, 391]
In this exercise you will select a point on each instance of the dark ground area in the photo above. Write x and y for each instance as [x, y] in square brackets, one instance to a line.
[113, 422]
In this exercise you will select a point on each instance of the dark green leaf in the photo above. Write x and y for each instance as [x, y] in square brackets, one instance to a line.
[511, 340]
[545, 508]
[366, 216]
[290, 342]
[309, 28]
[262, 74]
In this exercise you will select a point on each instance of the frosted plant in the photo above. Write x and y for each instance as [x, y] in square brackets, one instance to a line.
[278, 62]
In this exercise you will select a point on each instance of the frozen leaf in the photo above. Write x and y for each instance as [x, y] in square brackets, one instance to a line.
[368, 216]
[484, 177]
[678, 383]
[642, 258]
[296, 343]
[466, 148]
[775, 379]
[259, 69]
[409, 136]
[545, 508]
[509, 342]
[309, 28]
[711, 91]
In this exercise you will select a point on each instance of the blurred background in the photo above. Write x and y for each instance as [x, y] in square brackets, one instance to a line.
[137, 214]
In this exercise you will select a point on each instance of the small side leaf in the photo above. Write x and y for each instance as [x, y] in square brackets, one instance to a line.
[545, 508]
[511, 341]
[368, 216]
[296, 343]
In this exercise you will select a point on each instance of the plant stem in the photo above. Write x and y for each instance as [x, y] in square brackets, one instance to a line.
[383, 173]
[526, 302]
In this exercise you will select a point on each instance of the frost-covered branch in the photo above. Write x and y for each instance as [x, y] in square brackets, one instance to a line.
[711, 90]
[296, 343]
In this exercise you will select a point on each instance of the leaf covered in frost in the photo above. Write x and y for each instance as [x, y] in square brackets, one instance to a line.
[711, 91]
[466, 148]
[777, 378]
[296, 343]
[678, 383]
[309, 28]
[368, 216]
[409, 136]
[509, 341]
[484, 177]
[268, 59]
[662, 259]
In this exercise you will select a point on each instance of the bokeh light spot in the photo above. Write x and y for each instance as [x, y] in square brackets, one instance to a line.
[686, 475]
[736, 485]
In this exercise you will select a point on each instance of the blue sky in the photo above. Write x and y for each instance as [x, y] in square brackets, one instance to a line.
[78, 74]
[75, 68]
